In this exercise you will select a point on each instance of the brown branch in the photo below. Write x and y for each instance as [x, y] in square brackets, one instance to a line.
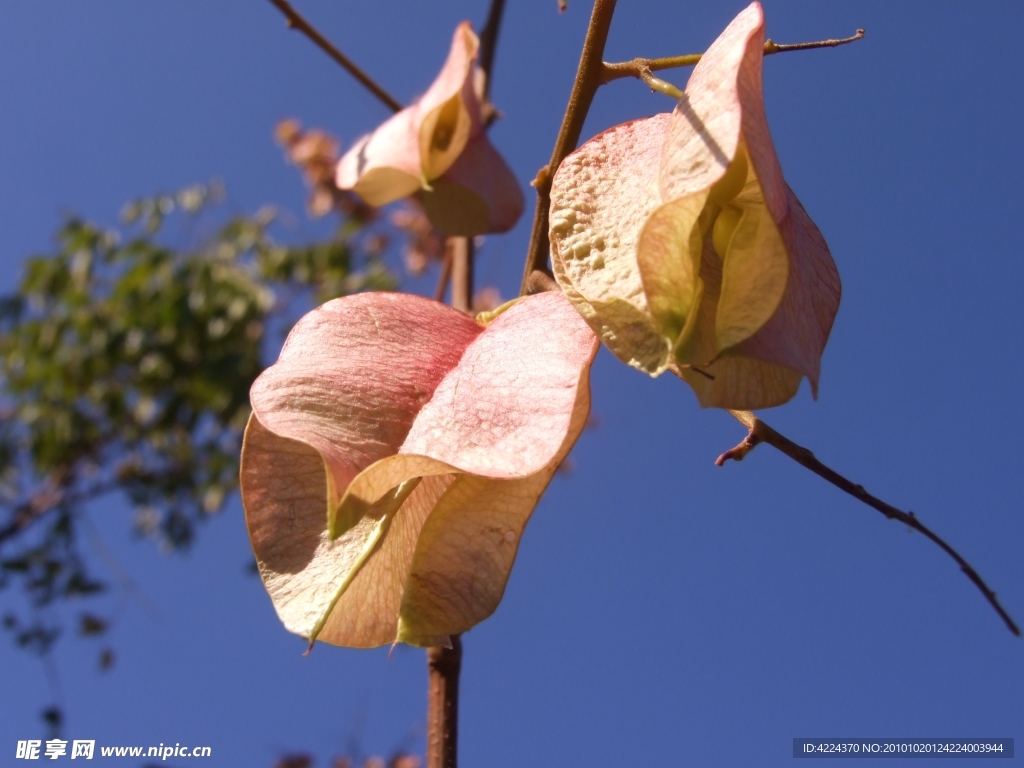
[637, 67]
[295, 21]
[771, 47]
[446, 273]
[762, 433]
[489, 43]
[462, 272]
[588, 80]
[488, 47]
[443, 667]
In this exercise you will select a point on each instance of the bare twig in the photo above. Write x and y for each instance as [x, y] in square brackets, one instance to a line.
[771, 47]
[588, 80]
[462, 272]
[295, 21]
[443, 667]
[759, 432]
[489, 43]
[446, 273]
[637, 67]
[488, 47]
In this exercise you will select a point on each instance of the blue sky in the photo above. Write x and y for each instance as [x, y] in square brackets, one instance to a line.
[662, 611]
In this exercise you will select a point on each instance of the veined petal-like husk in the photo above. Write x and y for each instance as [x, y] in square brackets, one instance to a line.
[450, 109]
[423, 140]
[438, 482]
[384, 166]
[668, 259]
[452, 586]
[796, 334]
[778, 303]
[354, 373]
[731, 380]
[479, 194]
[742, 329]
[723, 104]
[601, 197]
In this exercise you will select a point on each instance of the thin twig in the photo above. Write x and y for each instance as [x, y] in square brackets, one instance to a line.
[771, 47]
[489, 43]
[759, 432]
[446, 274]
[637, 67]
[443, 668]
[295, 21]
[462, 272]
[588, 80]
[488, 47]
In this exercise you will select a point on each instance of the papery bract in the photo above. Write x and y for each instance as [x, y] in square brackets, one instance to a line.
[395, 453]
[439, 145]
[678, 240]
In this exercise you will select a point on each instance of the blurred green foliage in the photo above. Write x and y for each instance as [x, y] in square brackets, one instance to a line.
[125, 367]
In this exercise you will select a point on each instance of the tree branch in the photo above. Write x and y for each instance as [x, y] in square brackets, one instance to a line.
[762, 433]
[446, 273]
[489, 43]
[771, 47]
[443, 668]
[637, 67]
[588, 80]
[295, 21]
[461, 249]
